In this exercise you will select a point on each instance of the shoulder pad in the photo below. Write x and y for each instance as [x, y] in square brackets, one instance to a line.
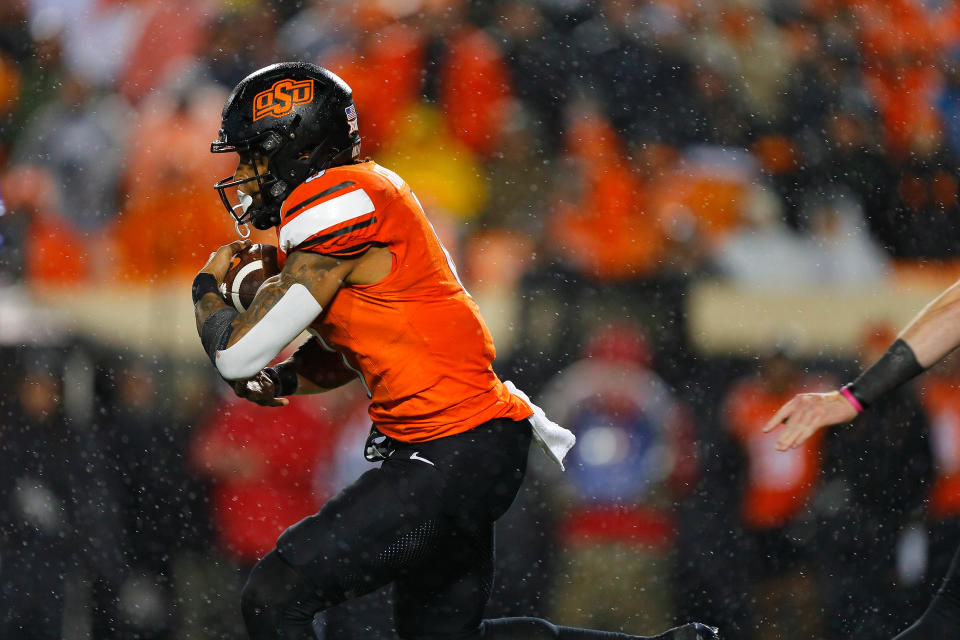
[333, 212]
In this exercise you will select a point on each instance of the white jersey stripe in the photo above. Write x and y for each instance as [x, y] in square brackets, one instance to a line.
[323, 216]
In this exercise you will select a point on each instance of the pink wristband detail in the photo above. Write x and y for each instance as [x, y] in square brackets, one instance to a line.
[845, 392]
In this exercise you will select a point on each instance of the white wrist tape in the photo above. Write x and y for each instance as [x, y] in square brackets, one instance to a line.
[292, 313]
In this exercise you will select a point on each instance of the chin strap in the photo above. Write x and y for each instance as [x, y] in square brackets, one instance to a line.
[242, 229]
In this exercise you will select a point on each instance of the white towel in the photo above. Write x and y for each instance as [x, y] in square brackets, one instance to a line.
[553, 438]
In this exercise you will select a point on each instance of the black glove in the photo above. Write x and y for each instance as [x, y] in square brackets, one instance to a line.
[261, 389]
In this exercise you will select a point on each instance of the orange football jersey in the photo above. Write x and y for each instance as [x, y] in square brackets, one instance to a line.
[416, 337]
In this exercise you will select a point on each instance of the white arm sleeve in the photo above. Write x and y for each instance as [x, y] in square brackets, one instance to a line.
[292, 313]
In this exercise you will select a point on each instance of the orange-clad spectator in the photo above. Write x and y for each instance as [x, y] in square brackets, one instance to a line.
[941, 398]
[437, 55]
[779, 484]
[946, 24]
[263, 462]
[172, 217]
[383, 69]
[9, 84]
[56, 255]
[53, 254]
[710, 183]
[169, 32]
[475, 89]
[777, 488]
[889, 29]
[600, 222]
[900, 41]
[905, 93]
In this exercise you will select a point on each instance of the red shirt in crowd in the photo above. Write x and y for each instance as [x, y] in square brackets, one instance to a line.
[263, 462]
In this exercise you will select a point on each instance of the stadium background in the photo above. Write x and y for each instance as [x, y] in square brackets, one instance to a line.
[673, 214]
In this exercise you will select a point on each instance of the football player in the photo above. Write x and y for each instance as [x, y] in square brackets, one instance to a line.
[930, 336]
[365, 273]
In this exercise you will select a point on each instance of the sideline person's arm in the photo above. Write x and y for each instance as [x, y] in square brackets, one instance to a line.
[929, 337]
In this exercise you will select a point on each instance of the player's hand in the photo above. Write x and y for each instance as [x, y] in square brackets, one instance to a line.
[803, 416]
[259, 389]
[219, 260]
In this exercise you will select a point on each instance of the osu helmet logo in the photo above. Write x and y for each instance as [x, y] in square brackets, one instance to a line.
[280, 99]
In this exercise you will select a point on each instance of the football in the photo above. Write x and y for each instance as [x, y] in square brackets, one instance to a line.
[248, 269]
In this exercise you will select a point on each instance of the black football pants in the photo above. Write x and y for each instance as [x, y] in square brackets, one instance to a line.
[423, 521]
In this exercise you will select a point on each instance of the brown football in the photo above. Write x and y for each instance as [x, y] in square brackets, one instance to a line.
[248, 269]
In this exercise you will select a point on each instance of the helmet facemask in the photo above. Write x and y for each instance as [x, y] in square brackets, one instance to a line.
[258, 204]
[261, 208]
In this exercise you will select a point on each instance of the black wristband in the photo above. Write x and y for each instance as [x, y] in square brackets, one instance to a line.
[284, 379]
[896, 366]
[203, 284]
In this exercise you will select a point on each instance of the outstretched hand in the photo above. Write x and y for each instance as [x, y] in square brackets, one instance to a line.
[260, 389]
[805, 414]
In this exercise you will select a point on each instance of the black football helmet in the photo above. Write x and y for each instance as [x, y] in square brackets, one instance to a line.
[300, 118]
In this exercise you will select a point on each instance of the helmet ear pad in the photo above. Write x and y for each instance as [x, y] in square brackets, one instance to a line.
[290, 171]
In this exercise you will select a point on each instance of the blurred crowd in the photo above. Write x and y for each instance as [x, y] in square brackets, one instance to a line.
[585, 161]
[623, 139]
